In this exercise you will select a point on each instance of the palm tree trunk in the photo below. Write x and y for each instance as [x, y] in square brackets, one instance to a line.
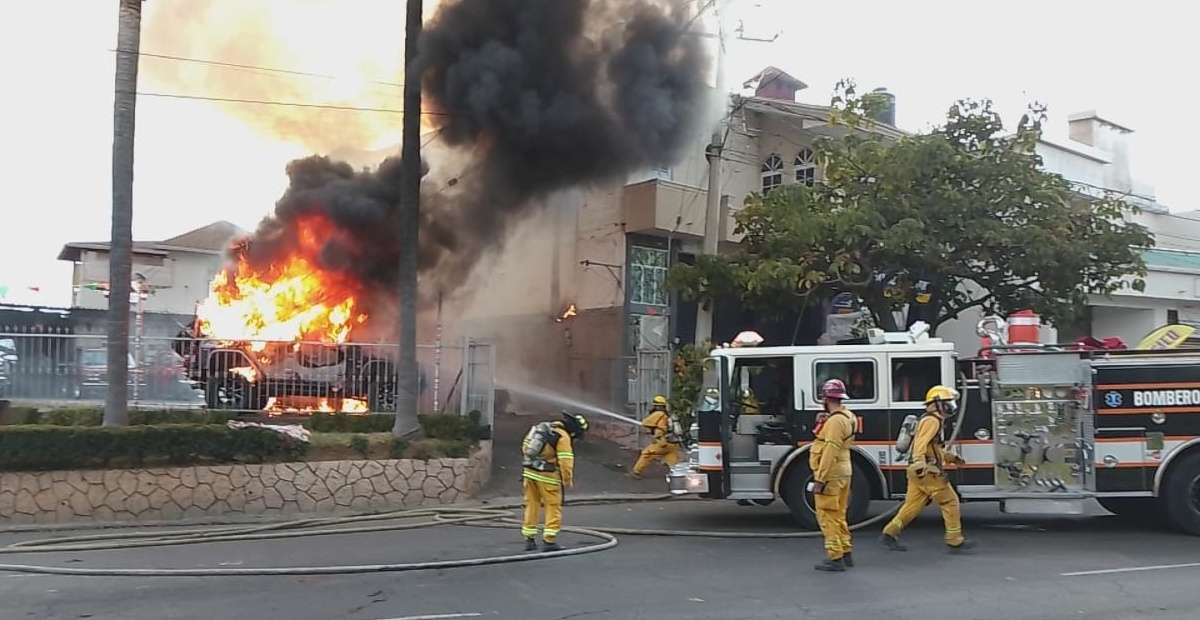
[410, 198]
[129, 27]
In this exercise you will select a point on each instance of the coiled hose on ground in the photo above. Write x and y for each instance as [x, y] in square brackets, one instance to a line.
[498, 516]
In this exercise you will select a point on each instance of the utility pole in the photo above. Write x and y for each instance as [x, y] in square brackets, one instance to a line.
[408, 222]
[120, 254]
[712, 211]
[713, 153]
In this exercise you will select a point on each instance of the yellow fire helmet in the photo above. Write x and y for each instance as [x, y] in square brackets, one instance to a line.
[945, 397]
[941, 392]
[660, 400]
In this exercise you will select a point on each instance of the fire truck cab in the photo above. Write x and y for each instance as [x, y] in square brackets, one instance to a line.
[1041, 428]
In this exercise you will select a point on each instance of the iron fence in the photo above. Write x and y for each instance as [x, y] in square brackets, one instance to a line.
[249, 376]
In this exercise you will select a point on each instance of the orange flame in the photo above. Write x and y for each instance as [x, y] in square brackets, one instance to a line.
[290, 300]
[301, 404]
[568, 313]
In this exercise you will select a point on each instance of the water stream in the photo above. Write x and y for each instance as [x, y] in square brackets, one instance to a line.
[566, 402]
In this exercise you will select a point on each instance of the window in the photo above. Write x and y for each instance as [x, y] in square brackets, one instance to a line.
[913, 376]
[859, 377]
[772, 173]
[648, 276]
[806, 167]
[767, 381]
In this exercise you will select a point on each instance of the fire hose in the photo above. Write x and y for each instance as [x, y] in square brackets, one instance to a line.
[498, 516]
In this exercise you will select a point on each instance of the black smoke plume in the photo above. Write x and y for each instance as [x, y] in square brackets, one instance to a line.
[533, 96]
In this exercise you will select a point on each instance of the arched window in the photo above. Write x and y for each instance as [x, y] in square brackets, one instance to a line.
[772, 173]
[806, 167]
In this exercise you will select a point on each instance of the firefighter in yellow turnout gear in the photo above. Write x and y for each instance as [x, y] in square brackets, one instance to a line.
[548, 466]
[926, 474]
[829, 459]
[662, 447]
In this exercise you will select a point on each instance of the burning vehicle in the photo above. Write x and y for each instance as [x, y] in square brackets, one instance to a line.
[285, 377]
[274, 334]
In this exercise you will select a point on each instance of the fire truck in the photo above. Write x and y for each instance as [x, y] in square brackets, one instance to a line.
[1042, 428]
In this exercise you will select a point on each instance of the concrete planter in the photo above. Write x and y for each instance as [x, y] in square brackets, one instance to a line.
[270, 489]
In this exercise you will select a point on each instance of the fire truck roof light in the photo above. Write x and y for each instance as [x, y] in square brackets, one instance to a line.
[747, 339]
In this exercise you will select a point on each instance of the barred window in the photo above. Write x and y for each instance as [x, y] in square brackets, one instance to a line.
[648, 276]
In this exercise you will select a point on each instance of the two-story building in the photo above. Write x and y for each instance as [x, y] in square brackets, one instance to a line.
[175, 274]
[610, 248]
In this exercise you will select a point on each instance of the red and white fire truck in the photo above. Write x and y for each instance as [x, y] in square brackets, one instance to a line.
[1042, 428]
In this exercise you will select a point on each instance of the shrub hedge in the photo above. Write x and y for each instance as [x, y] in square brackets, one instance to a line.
[42, 447]
[91, 416]
[455, 427]
[447, 426]
[437, 448]
[345, 423]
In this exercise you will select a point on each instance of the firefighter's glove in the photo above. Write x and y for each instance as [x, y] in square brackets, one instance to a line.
[925, 469]
[953, 458]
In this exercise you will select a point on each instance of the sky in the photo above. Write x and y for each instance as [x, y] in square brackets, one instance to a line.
[202, 161]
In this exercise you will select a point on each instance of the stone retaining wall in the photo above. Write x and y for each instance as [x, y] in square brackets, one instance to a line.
[277, 488]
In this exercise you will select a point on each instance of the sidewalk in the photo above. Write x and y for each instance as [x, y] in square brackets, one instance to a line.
[600, 466]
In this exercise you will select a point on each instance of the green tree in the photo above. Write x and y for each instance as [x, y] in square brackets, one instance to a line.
[961, 217]
[687, 380]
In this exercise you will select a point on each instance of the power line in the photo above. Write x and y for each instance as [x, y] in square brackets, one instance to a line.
[292, 104]
[234, 65]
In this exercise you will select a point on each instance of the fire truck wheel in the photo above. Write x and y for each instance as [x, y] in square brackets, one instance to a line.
[1181, 494]
[1145, 510]
[800, 502]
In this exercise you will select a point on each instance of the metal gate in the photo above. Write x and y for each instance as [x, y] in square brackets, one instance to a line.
[649, 375]
[479, 380]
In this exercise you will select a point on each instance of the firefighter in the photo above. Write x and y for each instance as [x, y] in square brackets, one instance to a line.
[548, 466]
[749, 402]
[665, 445]
[829, 459]
[926, 474]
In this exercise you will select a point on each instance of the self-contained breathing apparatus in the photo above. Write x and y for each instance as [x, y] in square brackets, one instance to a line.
[942, 397]
[539, 436]
[546, 433]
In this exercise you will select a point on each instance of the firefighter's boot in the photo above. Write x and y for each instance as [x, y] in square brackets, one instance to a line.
[848, 560]
[551, 546]
[530, 544]
[832, 566]
[891, 543]
[965, 545]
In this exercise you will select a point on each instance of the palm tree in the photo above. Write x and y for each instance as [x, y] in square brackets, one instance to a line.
[129, 28]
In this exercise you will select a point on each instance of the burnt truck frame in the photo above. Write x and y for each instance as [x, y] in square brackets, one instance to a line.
[231, 378]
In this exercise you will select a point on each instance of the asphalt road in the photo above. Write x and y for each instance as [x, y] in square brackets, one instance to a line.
[1019, 571]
